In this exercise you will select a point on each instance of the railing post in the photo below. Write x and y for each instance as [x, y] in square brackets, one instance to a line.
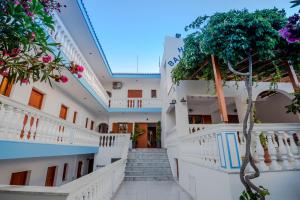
[294, 152]
[272, 151]
[282, 150]
[260, 154]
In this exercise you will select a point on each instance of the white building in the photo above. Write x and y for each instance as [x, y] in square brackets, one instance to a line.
[53, 136]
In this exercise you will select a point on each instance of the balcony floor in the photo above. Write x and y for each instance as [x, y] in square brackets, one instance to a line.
[151, 190]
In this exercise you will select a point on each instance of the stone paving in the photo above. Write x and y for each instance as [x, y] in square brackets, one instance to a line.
[151, 190]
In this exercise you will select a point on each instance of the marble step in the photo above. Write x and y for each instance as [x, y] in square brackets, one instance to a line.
[148, 178]
[147, 173]
[154, 160]
[148, 164]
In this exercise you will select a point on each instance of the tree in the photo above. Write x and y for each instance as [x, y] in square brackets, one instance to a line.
[25, 51]
[237, 37]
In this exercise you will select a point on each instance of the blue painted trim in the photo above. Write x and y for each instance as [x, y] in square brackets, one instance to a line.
[228, 149]
[148, 110]
[17, 150]
[135, 75]
[225, 165]
[93, 33]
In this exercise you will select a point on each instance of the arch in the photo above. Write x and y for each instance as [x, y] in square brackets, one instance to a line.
[103, 128]
[271, 105]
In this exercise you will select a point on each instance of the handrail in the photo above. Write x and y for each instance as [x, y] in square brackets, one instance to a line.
[20, 122]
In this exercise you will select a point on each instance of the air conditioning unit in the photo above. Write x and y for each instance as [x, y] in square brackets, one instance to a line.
[117, 85]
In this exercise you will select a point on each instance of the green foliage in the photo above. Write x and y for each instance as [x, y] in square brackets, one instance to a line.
[158, 131]
[249, 195]
[231, 36]
[263, 141]
[25, 51]
[295, 106]
[137, 132]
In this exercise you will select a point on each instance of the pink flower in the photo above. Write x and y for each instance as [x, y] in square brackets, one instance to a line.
[14, 52]
[25, 81]
[80, 68]
[5, 73]
[46, 59]
[32, 37]
[17, 3]
[79, 75]
[63, 79]
[2, 62]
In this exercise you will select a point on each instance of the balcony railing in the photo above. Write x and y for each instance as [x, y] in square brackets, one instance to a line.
[222, 146]
[135, 103]
[20, 122]
[101, 184]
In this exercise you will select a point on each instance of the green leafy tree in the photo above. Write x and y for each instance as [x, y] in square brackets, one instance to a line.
[25, 51]
[235, 37]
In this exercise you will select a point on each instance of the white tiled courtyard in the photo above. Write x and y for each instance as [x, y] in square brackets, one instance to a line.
[151, 190]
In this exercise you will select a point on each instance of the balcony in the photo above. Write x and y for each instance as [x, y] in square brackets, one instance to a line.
[101, 184]
[135, 103]
[40, 134]
[218, 150]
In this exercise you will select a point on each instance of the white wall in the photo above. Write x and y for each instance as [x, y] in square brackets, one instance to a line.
[38, 168]
[53, 99]
[204, 183]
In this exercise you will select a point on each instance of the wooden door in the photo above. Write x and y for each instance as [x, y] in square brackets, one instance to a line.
[79, 169]
[233, 119]
[130, 128]
[19, 178]
[50, 176]
[115, 127]
[142, 140]
[206, 119]
[36, 99]
[63, 112]
[91, 165]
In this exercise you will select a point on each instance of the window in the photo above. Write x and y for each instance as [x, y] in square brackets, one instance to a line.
[135, 93]
[86, 122]
[64, 177]
[153, 94]
[92, 125]
[36, 99]
[74, 117]
[19, 178]
[5, 87]
[79, 169]
[63, 112]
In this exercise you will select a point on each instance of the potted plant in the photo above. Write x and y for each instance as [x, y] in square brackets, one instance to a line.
[136, 133]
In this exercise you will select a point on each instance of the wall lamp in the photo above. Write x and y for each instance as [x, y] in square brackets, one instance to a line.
[173, 102]
[183, 100]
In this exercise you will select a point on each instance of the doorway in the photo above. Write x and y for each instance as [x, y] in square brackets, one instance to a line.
[19, 178]
[79, 169]
[151, 137]
[50, 176]
[91, 165]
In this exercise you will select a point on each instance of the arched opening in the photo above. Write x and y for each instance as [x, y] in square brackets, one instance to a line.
[103, 128]
[271, 105]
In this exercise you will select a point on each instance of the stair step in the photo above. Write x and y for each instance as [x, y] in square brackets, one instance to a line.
[148, 178]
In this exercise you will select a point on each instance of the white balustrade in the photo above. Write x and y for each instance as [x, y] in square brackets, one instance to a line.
[193, 128]
[101, 184]
[72, 51]
[135, 103]
[22, 123]
[208, 146]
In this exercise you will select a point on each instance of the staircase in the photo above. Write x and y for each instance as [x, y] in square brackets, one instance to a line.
[148, 165]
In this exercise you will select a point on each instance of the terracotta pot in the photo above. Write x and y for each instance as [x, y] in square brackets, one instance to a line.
[267, 156]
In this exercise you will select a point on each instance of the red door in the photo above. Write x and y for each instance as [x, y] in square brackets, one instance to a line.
[50, 176]
[142, 140]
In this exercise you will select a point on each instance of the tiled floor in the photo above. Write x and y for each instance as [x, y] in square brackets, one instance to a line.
[151, 190]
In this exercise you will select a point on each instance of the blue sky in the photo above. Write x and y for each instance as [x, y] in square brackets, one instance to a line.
[128, 29]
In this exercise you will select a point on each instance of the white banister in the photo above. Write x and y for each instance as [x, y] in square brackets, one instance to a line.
[101, 184]
[222, 146]
[135, 103]
[25, 124]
